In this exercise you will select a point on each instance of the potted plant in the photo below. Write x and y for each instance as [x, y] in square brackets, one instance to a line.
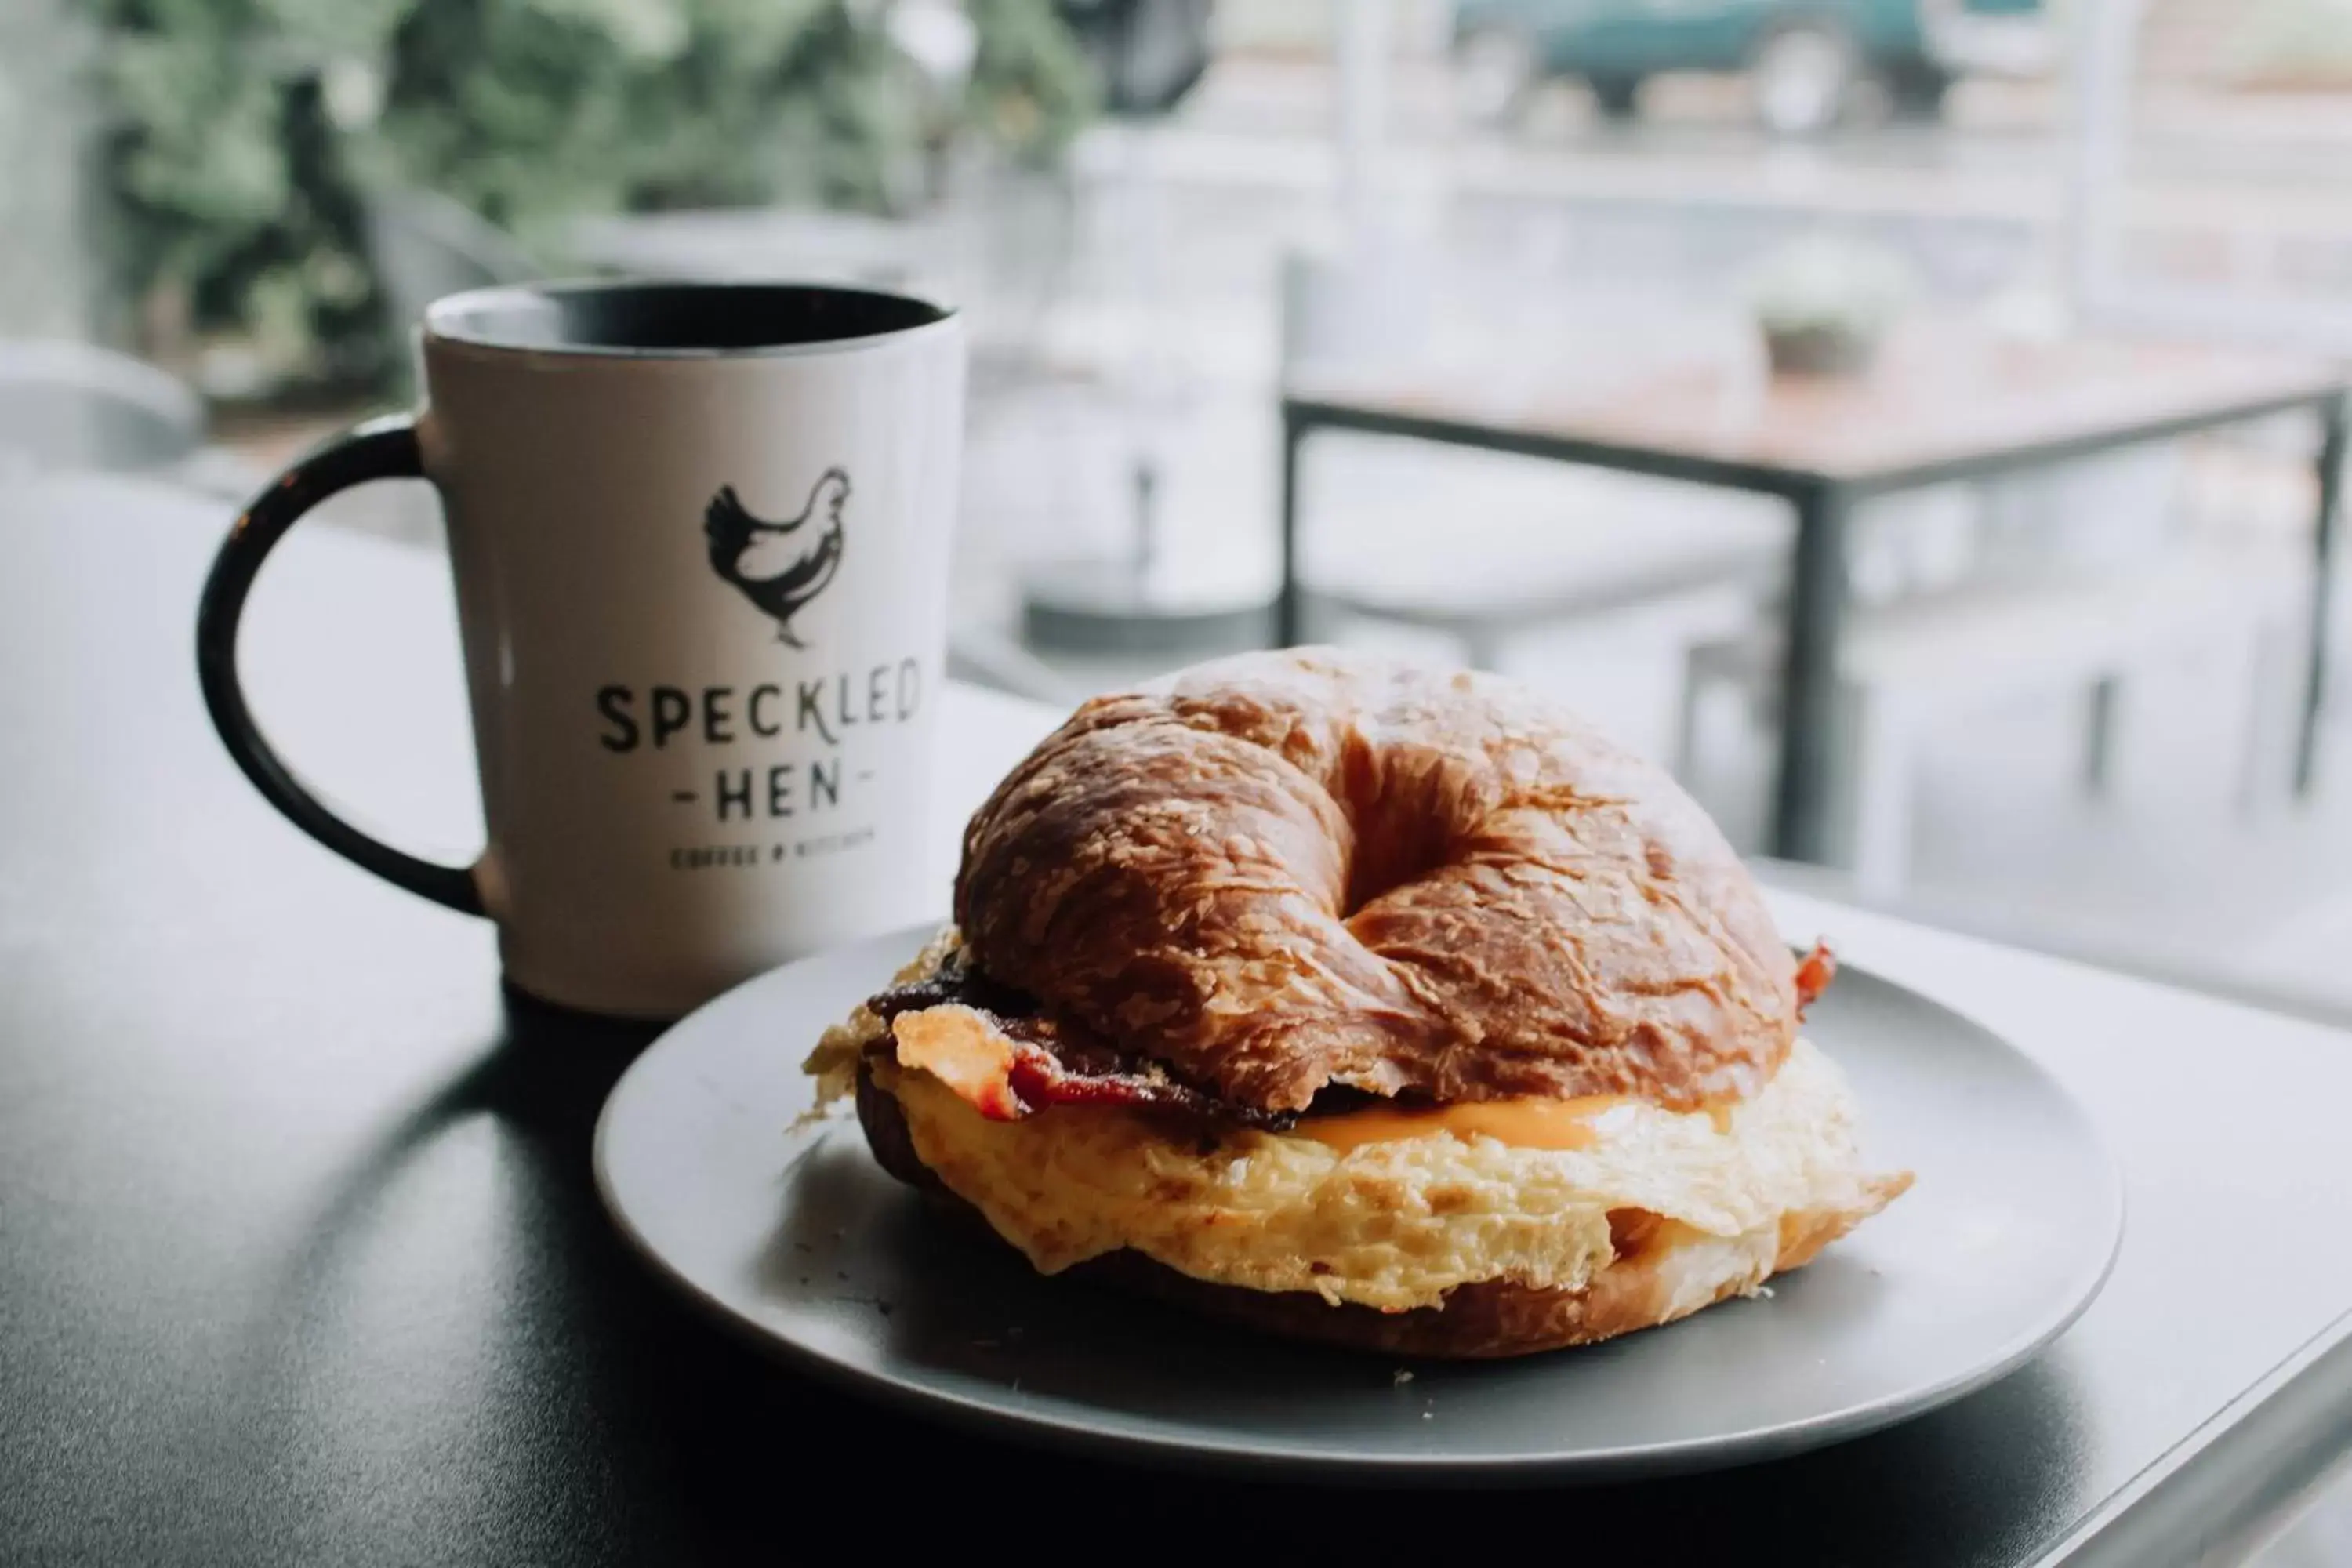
[1824, 303]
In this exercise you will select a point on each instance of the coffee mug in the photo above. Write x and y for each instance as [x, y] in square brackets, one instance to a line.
[699, 537]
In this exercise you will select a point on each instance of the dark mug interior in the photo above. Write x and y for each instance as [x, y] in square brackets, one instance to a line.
[675, 318]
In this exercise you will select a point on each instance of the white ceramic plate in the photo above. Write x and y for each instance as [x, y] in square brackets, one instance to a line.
[800, 1241]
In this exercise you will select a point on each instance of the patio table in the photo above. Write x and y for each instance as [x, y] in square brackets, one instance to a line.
[1945, 401]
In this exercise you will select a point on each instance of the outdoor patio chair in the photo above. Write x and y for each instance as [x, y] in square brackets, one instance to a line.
[1939, 658]
[71, 406]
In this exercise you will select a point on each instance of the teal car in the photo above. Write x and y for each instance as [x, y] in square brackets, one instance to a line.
[1806, 58]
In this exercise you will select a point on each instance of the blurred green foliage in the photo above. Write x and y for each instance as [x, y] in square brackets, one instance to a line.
[238, 135]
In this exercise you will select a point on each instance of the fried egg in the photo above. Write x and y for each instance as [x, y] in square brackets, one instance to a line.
[1387, 1210]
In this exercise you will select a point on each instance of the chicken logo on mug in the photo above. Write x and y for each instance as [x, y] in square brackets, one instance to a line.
[773, 563]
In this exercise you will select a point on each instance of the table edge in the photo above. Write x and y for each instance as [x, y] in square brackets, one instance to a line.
[1303, 411]
[2243, 1473]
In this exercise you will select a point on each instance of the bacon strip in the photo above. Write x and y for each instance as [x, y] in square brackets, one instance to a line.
[987, 1044]
[1006, 1078]
[1813, 976]
[1041, 1078]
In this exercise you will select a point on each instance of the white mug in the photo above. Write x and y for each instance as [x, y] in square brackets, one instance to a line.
[700, 538]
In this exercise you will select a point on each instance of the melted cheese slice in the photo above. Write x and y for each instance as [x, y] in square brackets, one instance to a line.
[1529, 1123]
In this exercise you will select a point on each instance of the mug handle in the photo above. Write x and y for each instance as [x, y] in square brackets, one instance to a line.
[380, 449]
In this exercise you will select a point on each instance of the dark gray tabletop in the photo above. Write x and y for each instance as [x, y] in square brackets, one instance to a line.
[301, 1261]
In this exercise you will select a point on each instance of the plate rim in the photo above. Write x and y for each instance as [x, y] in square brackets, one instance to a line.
[1687, 1455]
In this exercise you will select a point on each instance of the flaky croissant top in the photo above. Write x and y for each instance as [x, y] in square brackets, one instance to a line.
[1284, 871]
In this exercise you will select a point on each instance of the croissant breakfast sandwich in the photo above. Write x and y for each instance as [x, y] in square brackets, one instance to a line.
[1363, 1003]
